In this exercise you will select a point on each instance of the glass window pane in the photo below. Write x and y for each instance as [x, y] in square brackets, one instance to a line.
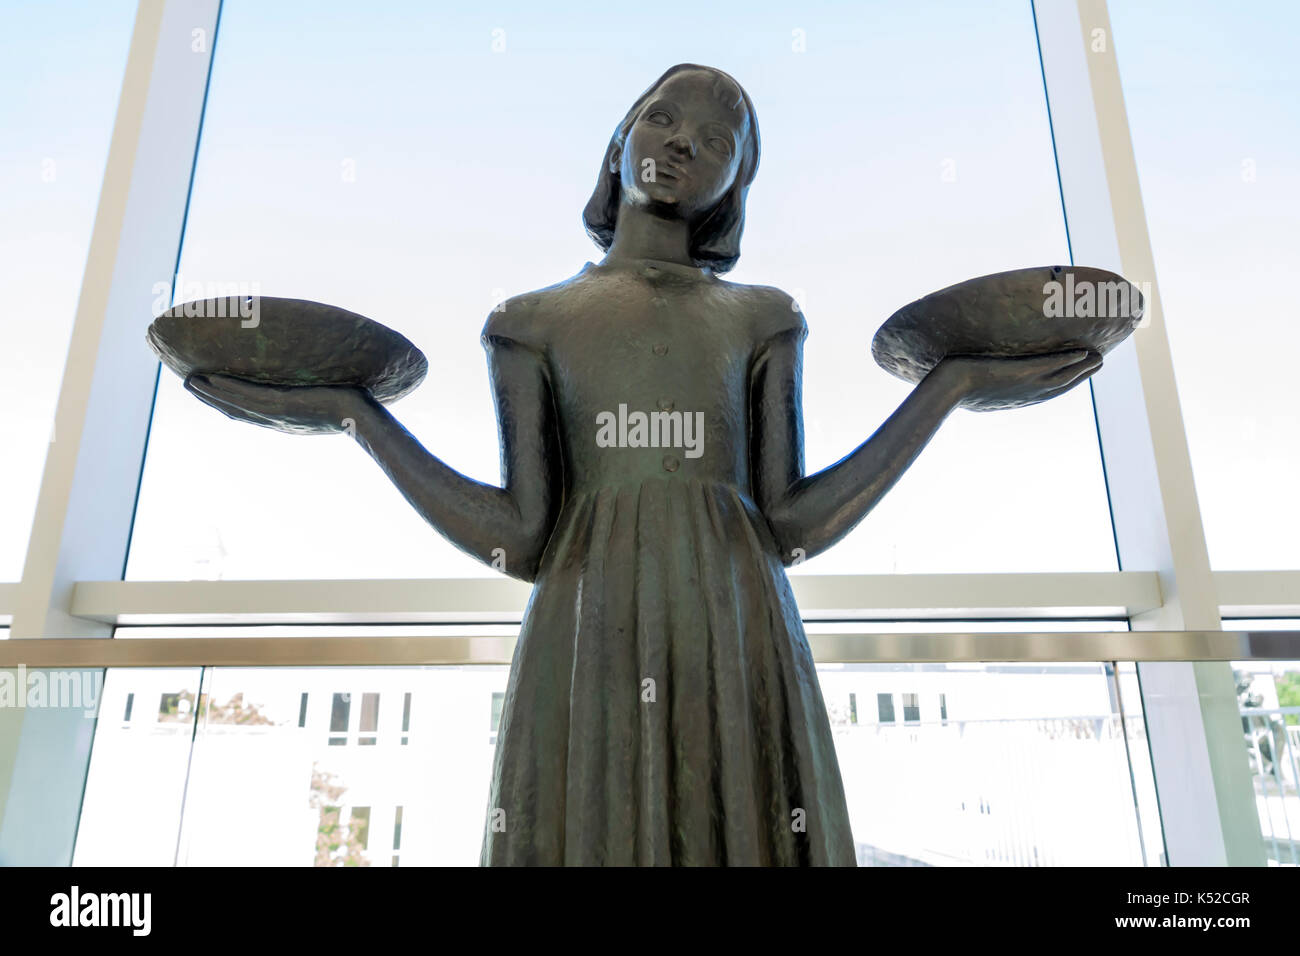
[911, 708]
[268, 792]
[1268, 697]
[373, 160]
[61, 68]
[359, 828]
[1211, 93]
[369, 713]
[339, 713]
[498, 704]
[135, 787]
[267, 787]
[1030, 766]
[885, 707]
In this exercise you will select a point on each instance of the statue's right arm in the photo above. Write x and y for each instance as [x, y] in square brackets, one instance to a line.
[510, 524]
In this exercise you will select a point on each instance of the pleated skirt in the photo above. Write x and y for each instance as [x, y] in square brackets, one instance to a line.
[663, 707]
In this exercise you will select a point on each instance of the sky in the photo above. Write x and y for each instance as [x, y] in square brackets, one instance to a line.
[470, 169]
[1213, 98]
[415, 164]
[61, 71]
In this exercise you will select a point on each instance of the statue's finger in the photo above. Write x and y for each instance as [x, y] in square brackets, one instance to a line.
[199, 385]
[1072, 374]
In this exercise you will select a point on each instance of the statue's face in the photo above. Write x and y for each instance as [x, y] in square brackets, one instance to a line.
[683, 150]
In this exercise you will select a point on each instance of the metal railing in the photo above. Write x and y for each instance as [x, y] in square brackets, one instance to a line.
[1274, 748]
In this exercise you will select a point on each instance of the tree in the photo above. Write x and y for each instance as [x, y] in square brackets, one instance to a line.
[1288, 693]
[337, 844]
[235, 711]
[178, 708]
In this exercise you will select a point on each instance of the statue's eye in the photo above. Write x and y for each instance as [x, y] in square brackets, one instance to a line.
[720, 144]
[660, 118]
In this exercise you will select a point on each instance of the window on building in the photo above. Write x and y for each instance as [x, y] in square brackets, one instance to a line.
[369, 728]
[885, 706]
[397, 835]
[359, 826]
[339, 716]
[911, 708]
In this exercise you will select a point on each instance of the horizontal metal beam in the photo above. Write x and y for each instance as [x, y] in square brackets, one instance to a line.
[8, 598]
[435, 600]
[469, 600]
[1045, 647]
[1258, 593]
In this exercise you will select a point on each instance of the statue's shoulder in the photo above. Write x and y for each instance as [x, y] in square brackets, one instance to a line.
[526, 318]
[771, 311]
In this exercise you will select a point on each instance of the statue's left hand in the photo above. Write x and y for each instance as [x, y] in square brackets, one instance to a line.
[302, 409]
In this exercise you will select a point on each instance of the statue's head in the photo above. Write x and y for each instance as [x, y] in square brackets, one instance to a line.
[688, 148]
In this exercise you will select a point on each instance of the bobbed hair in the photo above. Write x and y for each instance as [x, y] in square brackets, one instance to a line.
[715, 241]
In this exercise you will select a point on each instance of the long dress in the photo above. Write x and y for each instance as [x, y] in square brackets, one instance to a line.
[663, 707]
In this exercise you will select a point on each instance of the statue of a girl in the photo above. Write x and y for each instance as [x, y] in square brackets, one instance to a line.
[663, 706]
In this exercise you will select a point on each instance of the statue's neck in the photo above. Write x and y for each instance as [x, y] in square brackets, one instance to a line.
[641, 234]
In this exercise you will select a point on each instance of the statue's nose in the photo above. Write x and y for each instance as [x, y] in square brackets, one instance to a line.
[682, 144]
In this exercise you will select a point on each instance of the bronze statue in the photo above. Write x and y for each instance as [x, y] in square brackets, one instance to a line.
[663, 706]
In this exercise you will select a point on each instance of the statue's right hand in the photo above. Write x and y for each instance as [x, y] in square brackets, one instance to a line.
[995, 381]
[303, 409]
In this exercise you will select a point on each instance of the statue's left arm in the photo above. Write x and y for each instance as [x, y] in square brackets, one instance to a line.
[809, 513]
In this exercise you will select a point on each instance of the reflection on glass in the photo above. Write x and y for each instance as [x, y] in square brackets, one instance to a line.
[1211, 93]
[423, 212]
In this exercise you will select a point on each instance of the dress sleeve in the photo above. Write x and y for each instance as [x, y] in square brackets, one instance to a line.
[776, 403]
[531, 468]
